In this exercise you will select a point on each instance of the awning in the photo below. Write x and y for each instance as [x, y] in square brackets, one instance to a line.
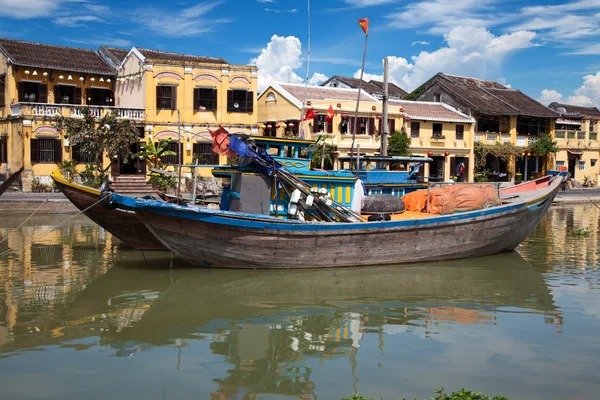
[575, 152]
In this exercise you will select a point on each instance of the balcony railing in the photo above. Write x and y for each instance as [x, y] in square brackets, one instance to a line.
[75, 111]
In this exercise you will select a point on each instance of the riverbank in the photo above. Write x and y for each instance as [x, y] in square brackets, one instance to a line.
[57, 203]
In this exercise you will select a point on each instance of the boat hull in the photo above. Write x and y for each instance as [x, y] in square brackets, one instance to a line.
[227, 240]
[125, 225]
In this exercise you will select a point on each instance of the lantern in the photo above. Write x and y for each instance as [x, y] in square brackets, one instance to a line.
[401, 109]
[407, 118]
[69, 78]
[93, 79]
[291, 124]
[108, 80]
[277, 126]
[269, 126]
[528, 154]
[101, 79]
[81, 78]
[429, 153]
[447, 153]
[263, 126]
[284, 125]
[373, 108]
[45, 73]
[379, 117]
[61, 77]
[308, 103]
[339, 105]
[34, 73]
[26, 72]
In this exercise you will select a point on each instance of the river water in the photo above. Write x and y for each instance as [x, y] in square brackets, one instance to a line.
[81, 317]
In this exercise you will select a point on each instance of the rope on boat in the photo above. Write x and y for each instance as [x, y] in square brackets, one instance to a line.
[23, 223]
[8, 251]
[591, 201]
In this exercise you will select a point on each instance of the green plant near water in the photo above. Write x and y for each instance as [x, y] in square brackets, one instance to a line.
[68, 168]
[399, 144]
[90, 177]
[580, 232]
[440, 394]
[153, 153]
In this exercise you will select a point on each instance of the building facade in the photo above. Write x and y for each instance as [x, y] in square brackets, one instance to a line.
[373, 87]
[437, 130]
[502, 115]
[577, 138]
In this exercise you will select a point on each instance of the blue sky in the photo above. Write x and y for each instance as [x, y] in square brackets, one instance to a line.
[548, 49]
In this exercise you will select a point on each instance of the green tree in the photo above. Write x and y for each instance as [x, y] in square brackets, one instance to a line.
[544, 145]
[318, 155]
[399, 144]
[153, 153]
[99, 136]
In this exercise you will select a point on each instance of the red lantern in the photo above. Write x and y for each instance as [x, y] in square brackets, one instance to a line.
[401, 109]
[379, 117]
[373, 108]
[291, 124]
[277, 126]
[407, 118]
[269, 126]
[429, 153]
[447, 153]
[308, 103]
[339, 105]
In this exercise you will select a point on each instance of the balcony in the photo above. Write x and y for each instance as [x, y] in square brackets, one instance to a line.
[53, 110]
[577, 140]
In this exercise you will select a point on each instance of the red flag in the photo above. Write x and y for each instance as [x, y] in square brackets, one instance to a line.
[220, 139]
[364, 24]
[310, 114]
[329, 115]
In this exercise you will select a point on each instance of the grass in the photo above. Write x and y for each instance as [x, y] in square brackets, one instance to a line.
[440, 394]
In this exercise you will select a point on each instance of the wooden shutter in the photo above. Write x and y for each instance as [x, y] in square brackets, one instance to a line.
[392, 125]
[77, 96]
[158, 97]
[88, 96]
[58, 150]
[173, 97]
[352, 124]
[2, 90]
[4, 149]
[195, 149]
[43, 97]
[230, 101]
[249, 101]
[34, 144]
[196, 99]
[329, 126]
[316, 124]
[21, 90]
[452, 166]
[371, 122]
[111, 98]
[214, 100]
[56, 94]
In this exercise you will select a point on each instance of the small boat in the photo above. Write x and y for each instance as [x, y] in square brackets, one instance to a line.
[123, 224]
[6, 184]
[226, 239]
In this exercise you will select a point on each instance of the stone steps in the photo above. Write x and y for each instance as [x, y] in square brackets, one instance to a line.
[132, 184]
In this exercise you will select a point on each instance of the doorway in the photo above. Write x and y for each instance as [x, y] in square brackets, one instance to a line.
[129, 166]
[455, 168]
[573, 161]
[436, 169]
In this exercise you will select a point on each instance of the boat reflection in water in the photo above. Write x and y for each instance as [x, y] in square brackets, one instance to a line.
[265, 326]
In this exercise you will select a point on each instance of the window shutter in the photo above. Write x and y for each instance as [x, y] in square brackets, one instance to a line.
[380, 129]
[77, 96]
[392, 126]
[196, 99]
[56, 94]
[173, 97]
[43, 97]
[4, 149]
[330, 126]
[352, 124]
[214, 100]
[158, 97]
[195, 149]
[230, 101]
[316, 124]
[111, 98]
[21, 89]
[249, 101]
[371, 126]
[58, 151]
[2, 90]
[35, 150]
[88, 96]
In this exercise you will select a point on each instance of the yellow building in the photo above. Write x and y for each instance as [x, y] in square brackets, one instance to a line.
[183, 96]
[577, 139]
[443, 132]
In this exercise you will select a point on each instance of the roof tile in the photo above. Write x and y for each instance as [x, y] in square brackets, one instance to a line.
[324, 93]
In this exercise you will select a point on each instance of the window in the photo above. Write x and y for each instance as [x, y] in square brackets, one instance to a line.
[319, 123]
[560, 164]
[33, 92]
[46, 151]
[271, 129]
[292, 128]
[99, 97]
[334, 84]
[82, 157]
[66, 94]
[2, 90]
[204, 154]
[437, 97]
[460, 132]
[488, 125]
[3, 149]
[240, 101]
[591, 126]
[391, 126]
[166, 97]
[415, 127]
[174, 159]
[593, 162]
[437, 131]
[344, 125]
[593, 136]
[205, 99]
[271, 97]
[581, 165]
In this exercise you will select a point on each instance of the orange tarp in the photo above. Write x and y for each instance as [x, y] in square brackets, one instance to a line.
[452, 198]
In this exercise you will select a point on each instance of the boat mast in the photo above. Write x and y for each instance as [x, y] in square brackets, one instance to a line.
[305, 80]
[384, 114]
[362, 71]
[179, 151]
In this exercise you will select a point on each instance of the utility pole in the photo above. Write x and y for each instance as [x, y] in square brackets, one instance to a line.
[384, 116]
[179, 151]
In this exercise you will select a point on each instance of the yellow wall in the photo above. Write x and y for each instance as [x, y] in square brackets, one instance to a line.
[584, 142]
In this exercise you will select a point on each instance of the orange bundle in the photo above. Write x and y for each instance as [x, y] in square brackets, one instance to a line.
[475, 197]
[415, 201]
[452, 198]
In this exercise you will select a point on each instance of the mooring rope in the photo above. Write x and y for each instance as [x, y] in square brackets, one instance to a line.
[8, 251]
[23, 223]
[591, 201]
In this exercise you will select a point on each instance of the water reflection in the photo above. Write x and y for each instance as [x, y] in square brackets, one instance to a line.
[123, 324]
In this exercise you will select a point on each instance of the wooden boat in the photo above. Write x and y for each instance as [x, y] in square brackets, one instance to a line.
[215, 238]
[10, 181]
[123, 224]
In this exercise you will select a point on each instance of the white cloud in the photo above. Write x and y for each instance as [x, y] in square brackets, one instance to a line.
[470, 51]
[98, 9]
[367, 3]
[191, 21]
[101, 41]
[317, 78]
[75, 21]
[24, 9]
[368, 77]
[549, 96]
[592, 49]
[421, 42]
[266, 1]
[293, 10]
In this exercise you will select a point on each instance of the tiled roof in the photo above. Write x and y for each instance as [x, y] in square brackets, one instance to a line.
[575, 111]
[156, 55]
[487, 97]
[393, 90]
[37, 55]
[431, 111]
[354, 83]
[117, 55]
[324, 93]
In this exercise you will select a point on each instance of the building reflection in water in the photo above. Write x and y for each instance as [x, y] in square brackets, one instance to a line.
[77, 283]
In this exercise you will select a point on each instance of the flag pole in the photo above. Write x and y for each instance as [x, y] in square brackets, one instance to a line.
[301, 123]
[362, 71]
